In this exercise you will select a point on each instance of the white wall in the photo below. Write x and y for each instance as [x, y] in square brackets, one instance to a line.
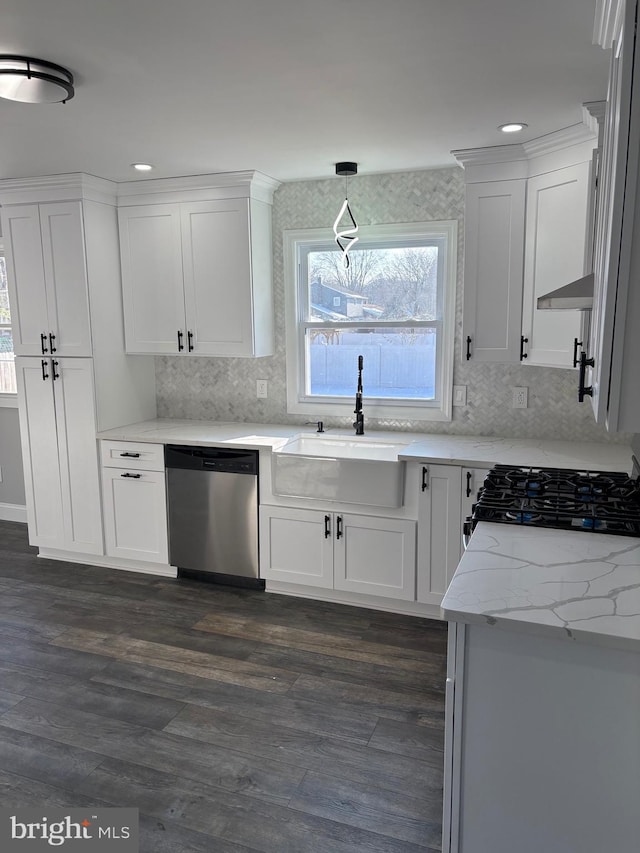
[12, 485]
[225, 388]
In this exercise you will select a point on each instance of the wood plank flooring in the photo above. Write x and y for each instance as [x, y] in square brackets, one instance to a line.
[234, 720]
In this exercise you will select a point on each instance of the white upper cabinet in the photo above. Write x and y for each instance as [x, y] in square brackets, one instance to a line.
[493, 242]
[613, 381]
[528, 225]
[196, 271]
[151, 257]
[47, 276]
[556, 253]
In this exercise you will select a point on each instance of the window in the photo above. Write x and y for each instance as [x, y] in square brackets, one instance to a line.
[394, 305]
[7, 363]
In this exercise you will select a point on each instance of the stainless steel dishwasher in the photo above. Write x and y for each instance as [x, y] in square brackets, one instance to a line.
[213, 513]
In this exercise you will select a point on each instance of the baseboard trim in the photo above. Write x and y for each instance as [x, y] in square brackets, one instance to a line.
[159, 569]
[13, 512]
[406, 608]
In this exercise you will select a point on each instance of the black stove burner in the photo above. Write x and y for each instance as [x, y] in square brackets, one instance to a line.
[607, 502]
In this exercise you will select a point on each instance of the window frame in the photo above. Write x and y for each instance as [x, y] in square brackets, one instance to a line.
[8, 399]
[297, 240]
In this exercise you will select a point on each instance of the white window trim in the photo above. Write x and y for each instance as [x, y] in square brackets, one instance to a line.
[7, 401]
[447, 229]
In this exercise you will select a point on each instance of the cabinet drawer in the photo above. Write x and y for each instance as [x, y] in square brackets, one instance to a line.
[137, 456]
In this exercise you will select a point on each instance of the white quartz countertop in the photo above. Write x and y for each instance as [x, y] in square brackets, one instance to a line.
[579, 586]
[485, 451]
[477, 451]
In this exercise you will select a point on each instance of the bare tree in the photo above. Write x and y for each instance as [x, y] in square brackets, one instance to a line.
[363, 267]
[407, 285]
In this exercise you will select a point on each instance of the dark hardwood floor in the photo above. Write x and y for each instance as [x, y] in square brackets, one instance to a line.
[234, 720]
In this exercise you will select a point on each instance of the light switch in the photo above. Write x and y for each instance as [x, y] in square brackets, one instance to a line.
[459, 395]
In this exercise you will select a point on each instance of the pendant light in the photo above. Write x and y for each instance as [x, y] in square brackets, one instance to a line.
[346, 236]
[34, 81]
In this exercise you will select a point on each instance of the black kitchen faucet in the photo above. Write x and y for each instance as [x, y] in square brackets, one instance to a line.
[359, 421]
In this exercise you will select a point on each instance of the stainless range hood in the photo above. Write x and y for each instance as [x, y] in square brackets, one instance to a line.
[577, 295]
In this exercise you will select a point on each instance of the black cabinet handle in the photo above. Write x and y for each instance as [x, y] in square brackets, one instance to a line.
[523, 341]
[338, 527]
[180, 344]
[132, 455]
[468, 484]
[425, 478]
[190, 341]
[468, 347]
[54, 368]
[576, 344]
[45, 375]
[132, 476]
[582, 390]
[52, 338]
[327, 526]
[43, 343]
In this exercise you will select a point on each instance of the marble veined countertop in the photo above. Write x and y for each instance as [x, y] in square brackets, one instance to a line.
[477, 451]
[578, 586]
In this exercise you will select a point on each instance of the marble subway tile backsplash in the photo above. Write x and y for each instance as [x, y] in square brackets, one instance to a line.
[225, 388]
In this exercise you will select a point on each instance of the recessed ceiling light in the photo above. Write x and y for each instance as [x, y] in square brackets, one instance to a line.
[512, 127]
[142, 167]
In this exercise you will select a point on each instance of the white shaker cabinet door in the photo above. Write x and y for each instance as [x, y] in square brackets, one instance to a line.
[217, 277]
[39, 437]
[375, 556]
[135, 514]
[57, 429]
[65, 273]
[78, 453]
[440, 530]
[151, 258]
[25, 276]
[48, 279]
[296, 546]
[557, 239]
[493, 262]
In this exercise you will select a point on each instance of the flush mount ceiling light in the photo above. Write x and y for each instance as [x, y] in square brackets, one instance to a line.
[34, 81]
[512, 127]
[346, 237]
[142, 167]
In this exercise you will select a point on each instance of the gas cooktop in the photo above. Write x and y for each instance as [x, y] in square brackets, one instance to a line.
[607, 502]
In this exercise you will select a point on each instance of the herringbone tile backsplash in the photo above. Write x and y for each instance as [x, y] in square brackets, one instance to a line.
[225, 388]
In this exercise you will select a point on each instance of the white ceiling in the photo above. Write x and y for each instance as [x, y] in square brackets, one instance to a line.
[289, 87]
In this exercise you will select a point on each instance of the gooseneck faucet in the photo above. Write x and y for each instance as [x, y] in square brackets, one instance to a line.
[359, 421]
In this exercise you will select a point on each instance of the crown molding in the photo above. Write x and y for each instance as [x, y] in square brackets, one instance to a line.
[224, 185]
[593, 115]
[489, 156]
[559, 139]
[608, 22]
[524, 159]
[76, 186]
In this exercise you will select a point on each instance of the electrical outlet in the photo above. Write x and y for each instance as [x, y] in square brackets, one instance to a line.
[262, 391]
[519, 398]
[459, 395]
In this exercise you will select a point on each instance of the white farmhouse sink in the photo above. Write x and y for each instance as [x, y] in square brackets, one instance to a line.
[348, 469]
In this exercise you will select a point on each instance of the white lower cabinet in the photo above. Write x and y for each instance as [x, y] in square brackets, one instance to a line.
[58, 433]
[134, 501]
[541, 744]
[447, 493]
[335, 550]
